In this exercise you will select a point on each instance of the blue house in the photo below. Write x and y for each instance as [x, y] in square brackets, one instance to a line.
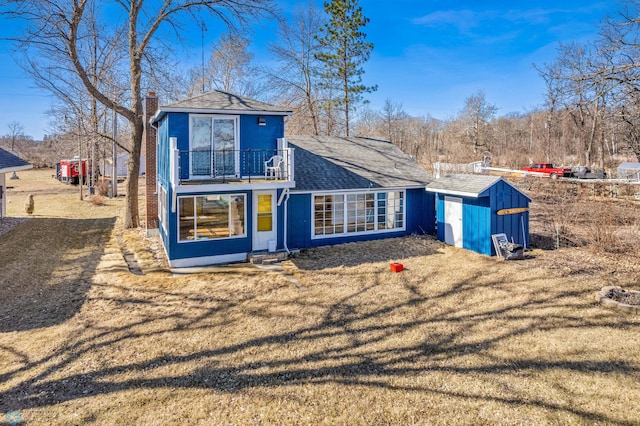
[228, 183]
[355, 189]
[472, 208]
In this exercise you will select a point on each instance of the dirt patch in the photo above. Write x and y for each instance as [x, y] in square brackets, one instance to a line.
[623, 296]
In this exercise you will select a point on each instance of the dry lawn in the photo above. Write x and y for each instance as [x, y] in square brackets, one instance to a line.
[456, 338]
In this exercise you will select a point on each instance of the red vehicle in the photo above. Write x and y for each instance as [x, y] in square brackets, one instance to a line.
[70, 171]
[548, 169]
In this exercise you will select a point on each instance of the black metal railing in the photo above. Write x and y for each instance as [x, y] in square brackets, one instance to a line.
[233, 165]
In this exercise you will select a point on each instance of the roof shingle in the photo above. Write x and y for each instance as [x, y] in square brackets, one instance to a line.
[324, 163]
[221, 101]
[10, 162]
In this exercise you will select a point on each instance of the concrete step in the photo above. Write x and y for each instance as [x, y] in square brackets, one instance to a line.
[266, 258]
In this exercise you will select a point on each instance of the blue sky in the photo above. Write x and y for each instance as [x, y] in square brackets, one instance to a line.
[429, 56]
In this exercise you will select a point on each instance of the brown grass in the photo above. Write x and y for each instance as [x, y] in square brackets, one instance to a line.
[456, 338]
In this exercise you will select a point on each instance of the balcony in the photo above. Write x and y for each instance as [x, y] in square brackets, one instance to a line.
[233, 166]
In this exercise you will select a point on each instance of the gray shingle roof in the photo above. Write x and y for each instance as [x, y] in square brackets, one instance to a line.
[10, 162]
[470, 185]
[324, 163]
[222, 101]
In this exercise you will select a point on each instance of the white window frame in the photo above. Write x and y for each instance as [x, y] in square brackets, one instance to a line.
[163, 212]
[345, 223]
[236, 142]
[230, 237]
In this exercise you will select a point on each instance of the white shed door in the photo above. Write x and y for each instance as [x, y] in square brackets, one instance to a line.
[453, 221]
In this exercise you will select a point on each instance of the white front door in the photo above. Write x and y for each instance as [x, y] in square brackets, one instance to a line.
[265, 228]
[453, 221]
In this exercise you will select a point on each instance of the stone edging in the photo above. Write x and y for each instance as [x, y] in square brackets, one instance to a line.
[601, 297]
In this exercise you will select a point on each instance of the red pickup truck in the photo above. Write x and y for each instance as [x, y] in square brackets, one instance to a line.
[547, 169]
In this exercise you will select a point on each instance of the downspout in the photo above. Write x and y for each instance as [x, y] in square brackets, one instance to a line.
[285, 195]
[157, 136]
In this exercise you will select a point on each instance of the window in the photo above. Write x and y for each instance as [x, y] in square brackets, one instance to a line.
[328, 214]
[340, 214]
[213, 145]
[206, 217]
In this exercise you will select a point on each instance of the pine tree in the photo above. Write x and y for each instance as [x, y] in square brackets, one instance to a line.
[344, 50]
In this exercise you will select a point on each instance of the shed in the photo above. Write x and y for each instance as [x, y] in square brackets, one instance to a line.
[471, 208]
[628, 170]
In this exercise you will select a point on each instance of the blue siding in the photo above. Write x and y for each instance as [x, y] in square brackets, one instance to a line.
[299, 221]
[515, 226]
[476, 225]
[419, 220]
[184, 250]
[480, 218]
[252, 137]
[257, 137]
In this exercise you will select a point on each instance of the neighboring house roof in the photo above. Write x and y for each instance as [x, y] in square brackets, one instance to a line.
[10, 162]
[467, 185]
[217, 102]
[629, 166]
[325, 163]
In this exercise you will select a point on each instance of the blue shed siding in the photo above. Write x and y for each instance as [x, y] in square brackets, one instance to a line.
[480, 218]
[476, 225]
[419, 209]
[505, 196]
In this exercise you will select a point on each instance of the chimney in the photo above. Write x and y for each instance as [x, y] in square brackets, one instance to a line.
[150, 108]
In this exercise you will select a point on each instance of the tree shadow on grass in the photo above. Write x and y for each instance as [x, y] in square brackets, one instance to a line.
[353, 340]
[47, 266]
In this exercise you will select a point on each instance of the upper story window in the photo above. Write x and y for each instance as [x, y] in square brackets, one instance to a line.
[214, 145]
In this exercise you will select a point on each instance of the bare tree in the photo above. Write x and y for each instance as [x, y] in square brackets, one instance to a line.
[16, 131]
[56, 33]
[296, 78]
[229, 69]
[477, 115]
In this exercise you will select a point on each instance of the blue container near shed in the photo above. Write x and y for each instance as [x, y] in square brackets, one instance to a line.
[472, 208]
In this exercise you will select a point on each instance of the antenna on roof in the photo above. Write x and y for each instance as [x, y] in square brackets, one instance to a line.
[204, 28]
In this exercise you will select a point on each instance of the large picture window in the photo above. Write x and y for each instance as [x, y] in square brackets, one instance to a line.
[206, 217]
[213, 145]
[341, 214]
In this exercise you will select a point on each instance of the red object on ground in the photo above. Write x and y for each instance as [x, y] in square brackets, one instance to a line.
[396, 267]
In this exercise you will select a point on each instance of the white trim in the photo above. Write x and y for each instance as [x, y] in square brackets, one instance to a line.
[236, 141]
[244, 235]
[226, 187]
[16, 168]
[207, 260]
[257, 242]
[358, 190]
[375, 231]
[449, 192]
[162, 111]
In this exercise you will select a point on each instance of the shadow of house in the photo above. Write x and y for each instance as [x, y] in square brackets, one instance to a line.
[53, 288]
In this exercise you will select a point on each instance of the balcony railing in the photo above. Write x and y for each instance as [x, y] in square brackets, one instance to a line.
[230, 165]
